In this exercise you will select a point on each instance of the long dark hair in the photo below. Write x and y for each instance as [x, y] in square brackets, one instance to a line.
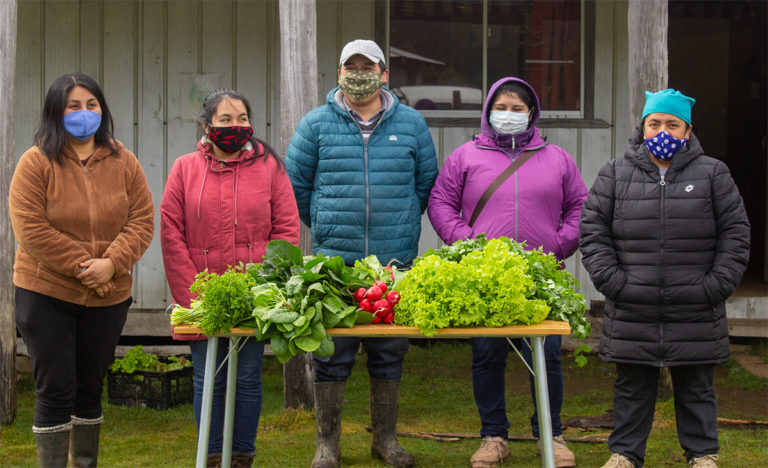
[211, 103]
[51, 136]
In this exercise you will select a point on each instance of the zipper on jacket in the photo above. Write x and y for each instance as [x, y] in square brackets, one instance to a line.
[92, 210]
[367, 179]
[517, 198]
[367, 190]
[662, 284]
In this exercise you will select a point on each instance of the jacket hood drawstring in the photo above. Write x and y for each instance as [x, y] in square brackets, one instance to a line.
[210, 167]
[202, 185]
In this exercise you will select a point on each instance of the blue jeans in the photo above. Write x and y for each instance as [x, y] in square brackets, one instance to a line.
[489, 361]
[247, 395]
[385, 359]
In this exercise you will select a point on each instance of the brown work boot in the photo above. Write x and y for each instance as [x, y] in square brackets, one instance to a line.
[213, 460]
[492, 453]
[242, 460]
[707, 461]
[564, 458]
[619, 461]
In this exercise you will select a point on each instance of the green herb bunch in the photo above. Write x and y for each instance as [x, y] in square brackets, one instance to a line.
[225, 300]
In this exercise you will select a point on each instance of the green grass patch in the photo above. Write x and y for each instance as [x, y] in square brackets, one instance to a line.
[436, 396]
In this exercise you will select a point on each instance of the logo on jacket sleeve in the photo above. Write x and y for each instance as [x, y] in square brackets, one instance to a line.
[689, 188]
[392, 138]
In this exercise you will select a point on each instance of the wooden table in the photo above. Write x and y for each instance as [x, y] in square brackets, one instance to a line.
[536, 333]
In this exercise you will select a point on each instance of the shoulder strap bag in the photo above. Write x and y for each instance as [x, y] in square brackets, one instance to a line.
[525, 156]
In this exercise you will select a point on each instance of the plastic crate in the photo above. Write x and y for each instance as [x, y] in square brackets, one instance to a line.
[156, 390]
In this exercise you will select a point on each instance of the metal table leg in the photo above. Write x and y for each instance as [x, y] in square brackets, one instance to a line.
[229, 403]
[542, 402]
[207, 404]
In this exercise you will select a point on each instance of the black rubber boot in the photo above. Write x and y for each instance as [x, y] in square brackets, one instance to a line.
[52, 448]
[84, 442]
[385, 396]
[329, 398]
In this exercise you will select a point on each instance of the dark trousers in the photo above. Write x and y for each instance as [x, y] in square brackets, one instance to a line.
[385, 359]
[71, 347]
[634, 400]
[489, 361]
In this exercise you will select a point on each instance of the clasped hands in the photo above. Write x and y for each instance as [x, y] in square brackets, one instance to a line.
[97, 274]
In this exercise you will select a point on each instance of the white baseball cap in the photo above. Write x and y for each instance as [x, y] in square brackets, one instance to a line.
[364, 47]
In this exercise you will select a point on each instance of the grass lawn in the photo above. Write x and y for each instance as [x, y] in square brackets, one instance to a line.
[436, 396]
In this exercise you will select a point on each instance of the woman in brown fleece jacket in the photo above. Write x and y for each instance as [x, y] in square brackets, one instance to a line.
[82, 214]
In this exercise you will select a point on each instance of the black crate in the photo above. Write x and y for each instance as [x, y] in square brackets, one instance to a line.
[156, 390]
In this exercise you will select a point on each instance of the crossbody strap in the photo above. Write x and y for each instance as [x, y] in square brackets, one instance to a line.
[500, 180]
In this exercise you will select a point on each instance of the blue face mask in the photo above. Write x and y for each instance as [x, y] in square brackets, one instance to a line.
[82, 124]
[663, 146]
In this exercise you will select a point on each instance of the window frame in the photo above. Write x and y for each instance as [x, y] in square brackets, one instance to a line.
[583, 117]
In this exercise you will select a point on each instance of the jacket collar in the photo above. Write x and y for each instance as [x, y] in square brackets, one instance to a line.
[101, 152]
[335, 96]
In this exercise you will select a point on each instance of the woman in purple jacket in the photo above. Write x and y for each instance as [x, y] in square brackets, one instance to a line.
[540, 204]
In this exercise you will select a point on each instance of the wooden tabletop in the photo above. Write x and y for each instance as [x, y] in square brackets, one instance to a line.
[547, 327]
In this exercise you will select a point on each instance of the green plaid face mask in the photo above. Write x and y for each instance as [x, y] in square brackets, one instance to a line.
[359, 84]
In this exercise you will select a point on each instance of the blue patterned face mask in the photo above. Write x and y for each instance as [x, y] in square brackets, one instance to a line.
[663, 145]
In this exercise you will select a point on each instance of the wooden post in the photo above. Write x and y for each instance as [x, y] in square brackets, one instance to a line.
[648, 22]
[7, 244]
[648, 58]
[298, 95]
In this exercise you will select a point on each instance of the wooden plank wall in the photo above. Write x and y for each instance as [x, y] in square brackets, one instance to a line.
[155, 60]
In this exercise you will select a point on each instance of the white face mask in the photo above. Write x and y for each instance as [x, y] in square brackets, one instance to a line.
[508, 122]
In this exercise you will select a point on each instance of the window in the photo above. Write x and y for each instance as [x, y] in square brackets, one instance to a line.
[442, 63]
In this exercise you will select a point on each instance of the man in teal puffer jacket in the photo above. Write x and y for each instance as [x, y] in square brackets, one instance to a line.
[362, 167]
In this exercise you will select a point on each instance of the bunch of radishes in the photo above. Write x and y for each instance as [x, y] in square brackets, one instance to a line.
[378, 301]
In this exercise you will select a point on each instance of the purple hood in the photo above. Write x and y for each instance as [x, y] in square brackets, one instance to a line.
[488, 135]
[539, 204]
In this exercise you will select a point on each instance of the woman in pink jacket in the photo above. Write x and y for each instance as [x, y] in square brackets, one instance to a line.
[221, 206]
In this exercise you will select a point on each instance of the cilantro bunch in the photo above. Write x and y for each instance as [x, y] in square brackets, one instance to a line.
[224, 301]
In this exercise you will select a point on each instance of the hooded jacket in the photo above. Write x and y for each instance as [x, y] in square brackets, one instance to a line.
[362, 198]
[666, 251]
[539, 204]
[216, 214]
[65, 213]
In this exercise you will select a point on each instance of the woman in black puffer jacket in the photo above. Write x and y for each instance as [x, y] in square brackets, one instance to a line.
[665, 237]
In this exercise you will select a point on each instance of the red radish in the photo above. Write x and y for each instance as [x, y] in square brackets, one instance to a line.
[359, 294]
[393, 297]
[381, 285]
[366, 305]
[376, 319]
[382, 307]
[390, 318]
[374, 293]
